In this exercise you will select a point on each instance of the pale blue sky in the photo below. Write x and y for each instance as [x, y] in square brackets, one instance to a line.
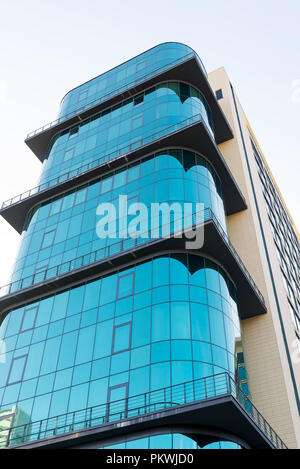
[48, 47]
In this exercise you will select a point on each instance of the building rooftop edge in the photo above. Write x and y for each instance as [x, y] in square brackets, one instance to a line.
[131, 58]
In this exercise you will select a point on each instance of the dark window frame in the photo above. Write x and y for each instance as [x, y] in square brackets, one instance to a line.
[60, 202]
[111, 388]
[82, 190]
[73, 131]
[219, 94]
[43, 239]
[83, 93]
[118, 284]
[11, 367]
[136, 144]
[138, 67]
[114, 337]
[139, 173]
[141, 116]
[72, 149]
[38, 270]
[139, 99]
[34, 321]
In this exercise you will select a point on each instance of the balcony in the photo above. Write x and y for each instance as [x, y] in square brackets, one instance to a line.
[216, 401]
[216, 244]
[191, 133]
[187, 69]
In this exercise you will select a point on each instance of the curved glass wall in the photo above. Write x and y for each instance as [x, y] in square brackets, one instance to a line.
[169, 441]
[65, 228]
[168, 320]
[131, 123]
[125, 75]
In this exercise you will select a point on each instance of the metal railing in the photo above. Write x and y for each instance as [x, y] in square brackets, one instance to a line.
[188, 222]
[110, 157]
[178, 395]
[112, 93]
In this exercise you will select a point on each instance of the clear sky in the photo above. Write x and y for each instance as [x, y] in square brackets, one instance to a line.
[49, 46]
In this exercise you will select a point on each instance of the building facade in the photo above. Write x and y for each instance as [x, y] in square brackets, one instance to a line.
[142, 337]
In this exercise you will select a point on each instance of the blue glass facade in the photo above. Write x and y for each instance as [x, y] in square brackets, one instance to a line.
[131, 123]
[64, 228]
[166, 319]
[169, 441]
[156, 324]
[126, 75]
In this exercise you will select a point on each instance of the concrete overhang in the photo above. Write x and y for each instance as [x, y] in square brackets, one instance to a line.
[187, 71]
[250, 300]
[221, 414]
[194, 136]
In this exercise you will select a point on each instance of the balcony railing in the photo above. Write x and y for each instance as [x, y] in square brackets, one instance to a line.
[188, 222]
[176, 396]
[110, 157]
[115, 92]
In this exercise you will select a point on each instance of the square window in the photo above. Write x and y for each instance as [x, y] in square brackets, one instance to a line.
[80, 196]
[125, 285]
[40, 273]
[119, 362]
[106, 185]
[117, 401]
[29, 318]
[136, 144]
[219, 94]
[138, 99]
[83, 95]
[121, 75]
[56, 206]
[74, 131]
[48, 239]
[90, 143]
[17, 370]
[121, 338]
[133, 173]
[136, 122]
[69, 154]
[140, 66]
[113, 132]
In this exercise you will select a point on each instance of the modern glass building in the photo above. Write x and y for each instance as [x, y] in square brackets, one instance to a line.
[137, 339]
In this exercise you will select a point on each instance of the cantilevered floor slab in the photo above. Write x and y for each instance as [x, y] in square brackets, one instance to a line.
[194, 137]
[250, 300]
[223, 415]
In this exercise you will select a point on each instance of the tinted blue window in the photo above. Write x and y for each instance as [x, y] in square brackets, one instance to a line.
[29, 318]
[122, 337]
[17, 369]
[129, 327]
[169, 441]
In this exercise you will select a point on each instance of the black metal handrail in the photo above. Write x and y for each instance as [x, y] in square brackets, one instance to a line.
[202, 389]
[112, 93]
[110, 157]
[123, 246]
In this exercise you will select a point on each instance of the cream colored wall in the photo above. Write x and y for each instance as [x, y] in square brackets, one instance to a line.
[270, 381]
